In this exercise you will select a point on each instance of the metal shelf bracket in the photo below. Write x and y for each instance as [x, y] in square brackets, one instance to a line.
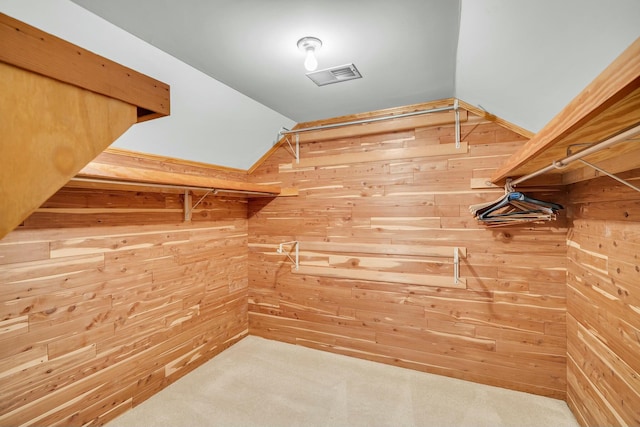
[188, 209]
[296, 151]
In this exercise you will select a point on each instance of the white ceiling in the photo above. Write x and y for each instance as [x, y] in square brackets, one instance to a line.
[405, 49]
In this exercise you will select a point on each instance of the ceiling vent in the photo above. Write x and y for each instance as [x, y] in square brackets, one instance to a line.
[338, 74]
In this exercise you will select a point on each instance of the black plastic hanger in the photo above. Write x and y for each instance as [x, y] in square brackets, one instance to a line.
[535, 205]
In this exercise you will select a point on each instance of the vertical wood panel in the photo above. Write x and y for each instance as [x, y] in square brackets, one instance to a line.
[603, 303]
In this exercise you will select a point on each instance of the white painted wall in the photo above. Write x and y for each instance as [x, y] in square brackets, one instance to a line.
[209, 121]
[524, 60]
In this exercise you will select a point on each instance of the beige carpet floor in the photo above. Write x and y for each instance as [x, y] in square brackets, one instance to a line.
[259, 382]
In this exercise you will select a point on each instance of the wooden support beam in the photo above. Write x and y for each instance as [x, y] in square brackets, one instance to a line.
[50, 130]
[61, 106]
[32, 49]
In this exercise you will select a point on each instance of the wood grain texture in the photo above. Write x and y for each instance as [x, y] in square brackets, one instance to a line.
[448, 102]
[48, 135]
[124, 157]
[143, 175]
[404, 264]
[603, 303]
[382, 126]
[151, 164]
[107, 297]
[615, 165]
[493, 118]
[366, 227]
[34, 50]
[376, 155]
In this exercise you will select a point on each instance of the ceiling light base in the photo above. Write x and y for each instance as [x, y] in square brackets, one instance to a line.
[307, 43]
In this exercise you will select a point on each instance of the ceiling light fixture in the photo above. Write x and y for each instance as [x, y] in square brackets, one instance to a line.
[309, 45]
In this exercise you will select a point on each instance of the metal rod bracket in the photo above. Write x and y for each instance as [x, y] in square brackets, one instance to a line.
[559, 164]
[610, 175]
[294, 244]
[457, 114]
[456, 266]
[187, 206]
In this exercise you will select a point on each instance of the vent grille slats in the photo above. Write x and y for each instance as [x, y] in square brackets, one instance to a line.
[338, 74]
[343, 73]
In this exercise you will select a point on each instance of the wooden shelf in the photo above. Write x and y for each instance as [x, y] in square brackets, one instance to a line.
[369, 262]
[607, 106]
[128, 175]
[362, 129]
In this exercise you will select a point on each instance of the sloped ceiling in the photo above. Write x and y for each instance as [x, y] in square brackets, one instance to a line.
[406, 50]
[526, 60]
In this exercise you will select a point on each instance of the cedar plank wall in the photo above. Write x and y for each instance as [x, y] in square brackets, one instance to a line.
[603, 302]
[507, 328]
[108, 297]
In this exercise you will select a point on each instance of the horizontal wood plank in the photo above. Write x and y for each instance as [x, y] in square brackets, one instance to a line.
[131, 174]
[91, 316]
[371, 248]
[380, 276]
[383, 155]
[383, 126]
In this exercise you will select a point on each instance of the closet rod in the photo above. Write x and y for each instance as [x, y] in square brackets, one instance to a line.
[559, 164]
[374, 119]
[173, 186]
